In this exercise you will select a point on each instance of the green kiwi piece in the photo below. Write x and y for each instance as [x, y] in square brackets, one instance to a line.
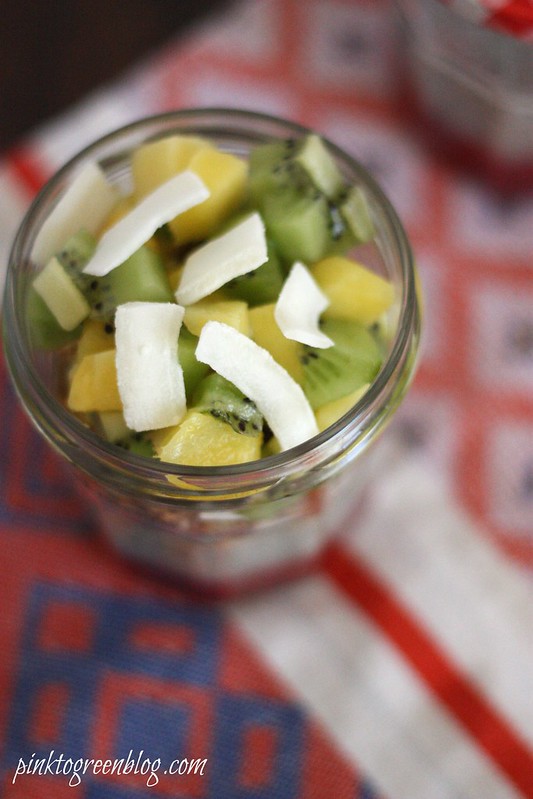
[138, 444]
[298, 224]
[45, 329]
[286, 184]
[262, 285]
[272, 167]
[141, 278]
[313, 155]
[75, 254]
[353, 360]
[308, 208]
[353, 207]
[305, 163]
[111, 426]
[223, 400]
[46, 332]
[193, 369]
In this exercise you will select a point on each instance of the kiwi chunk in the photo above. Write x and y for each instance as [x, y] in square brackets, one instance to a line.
[112, 426]
[223, 400]
[272, 166]
[298, 224]
[314, 157]
[75, 254]
[193, 369]
[308, 208]
[286, 184]
[261, 285]
[45, 329]
[353, 361]
[354, 210]
[138, 444]
[141, 278]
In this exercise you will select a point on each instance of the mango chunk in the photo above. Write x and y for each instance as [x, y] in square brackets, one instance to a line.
[225, 176]
[266, 333]
[156, 162]
[94, 385]
[124, 206]
[94, 338]
[202, 440]
[231, 312]
[353, 290]
[327, 414]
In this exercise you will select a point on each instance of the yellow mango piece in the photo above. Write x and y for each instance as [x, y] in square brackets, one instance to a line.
[327, 414]
[202, 440]
[225, 175]
[122, 207]
[156, 162]
[93, 384]
[266, 333]
[353, 290]
[174, 276]
[94, 338]
[231, 312]
[271, 447]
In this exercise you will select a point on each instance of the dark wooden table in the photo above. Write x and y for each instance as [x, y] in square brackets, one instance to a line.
[54, 52]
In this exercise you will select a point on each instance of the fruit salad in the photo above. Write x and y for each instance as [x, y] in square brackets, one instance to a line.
[215, 314]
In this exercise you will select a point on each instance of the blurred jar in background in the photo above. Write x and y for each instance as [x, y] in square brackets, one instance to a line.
[467, 74]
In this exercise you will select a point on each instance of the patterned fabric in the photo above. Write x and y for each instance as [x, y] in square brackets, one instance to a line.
[402, 666]
[514, 17]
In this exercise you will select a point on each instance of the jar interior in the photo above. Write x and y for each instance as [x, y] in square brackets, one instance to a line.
[388, 255]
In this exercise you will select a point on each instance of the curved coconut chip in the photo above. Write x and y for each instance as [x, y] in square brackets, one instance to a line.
[240, 250]
[255, 372]
[85, 204]
[297, 311]
[174, 197]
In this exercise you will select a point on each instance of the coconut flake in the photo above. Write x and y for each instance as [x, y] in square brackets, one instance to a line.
[242, 249]
[85, 204]
[177, 195]
[255, 372]
[150, 378]
[298, 308]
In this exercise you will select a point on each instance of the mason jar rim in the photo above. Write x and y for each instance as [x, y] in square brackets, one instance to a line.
[68, 434]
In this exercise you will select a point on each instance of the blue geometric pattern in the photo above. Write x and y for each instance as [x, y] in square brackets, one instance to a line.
[111, 650]
[152, 699]
[143, 722]
[234, 715]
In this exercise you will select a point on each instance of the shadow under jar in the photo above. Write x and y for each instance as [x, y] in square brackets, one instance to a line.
[218, 530]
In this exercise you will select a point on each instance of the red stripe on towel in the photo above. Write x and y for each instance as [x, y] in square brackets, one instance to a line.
[496, 737]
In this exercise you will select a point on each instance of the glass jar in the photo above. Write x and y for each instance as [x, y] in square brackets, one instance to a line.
[216, 529]
[470, 89]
